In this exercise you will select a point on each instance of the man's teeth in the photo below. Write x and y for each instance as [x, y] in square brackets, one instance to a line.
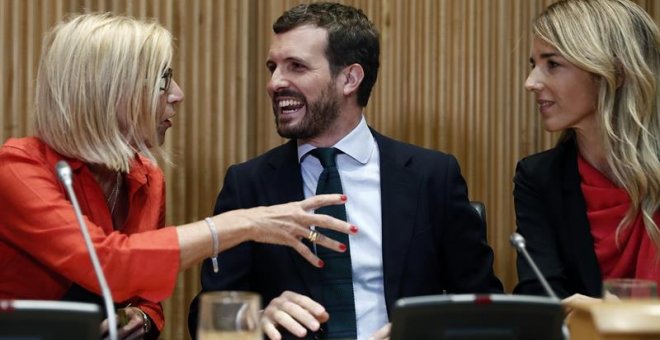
[289, 103]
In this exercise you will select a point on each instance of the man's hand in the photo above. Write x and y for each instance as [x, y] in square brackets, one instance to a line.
[383, 333]
[294, 312]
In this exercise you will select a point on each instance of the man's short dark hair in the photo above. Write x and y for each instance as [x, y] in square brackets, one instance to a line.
[352, 38]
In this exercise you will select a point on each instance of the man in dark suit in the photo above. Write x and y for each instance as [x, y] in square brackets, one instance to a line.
[418, 233]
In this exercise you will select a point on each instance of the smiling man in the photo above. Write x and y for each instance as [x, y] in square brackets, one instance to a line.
[417, 233]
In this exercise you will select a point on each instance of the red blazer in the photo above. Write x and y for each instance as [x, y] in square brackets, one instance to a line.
[42, 251]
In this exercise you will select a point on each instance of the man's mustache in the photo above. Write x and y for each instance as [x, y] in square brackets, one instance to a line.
[290, 94]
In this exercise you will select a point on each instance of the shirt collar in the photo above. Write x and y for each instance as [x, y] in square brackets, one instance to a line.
[358, 144]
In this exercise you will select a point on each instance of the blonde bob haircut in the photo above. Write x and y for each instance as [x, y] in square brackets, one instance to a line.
[619, 43]
[98, 88]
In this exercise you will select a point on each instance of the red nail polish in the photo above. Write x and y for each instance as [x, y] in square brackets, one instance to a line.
[342, 247]
[321, 263]
[344, 198]
[354, 229]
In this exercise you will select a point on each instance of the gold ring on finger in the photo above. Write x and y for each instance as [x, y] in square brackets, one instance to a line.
[313, 235]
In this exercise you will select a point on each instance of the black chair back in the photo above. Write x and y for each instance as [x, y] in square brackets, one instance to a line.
[480, 207]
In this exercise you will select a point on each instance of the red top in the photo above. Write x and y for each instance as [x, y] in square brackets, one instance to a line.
[607, 204]
[42, 251]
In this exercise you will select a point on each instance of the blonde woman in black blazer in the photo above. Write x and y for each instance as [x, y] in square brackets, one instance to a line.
[589, 207]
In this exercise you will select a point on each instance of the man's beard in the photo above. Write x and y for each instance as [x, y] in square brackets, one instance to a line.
[319, 116]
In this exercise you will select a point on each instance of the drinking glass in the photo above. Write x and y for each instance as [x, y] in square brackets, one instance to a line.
[626, 289]
[229, 315]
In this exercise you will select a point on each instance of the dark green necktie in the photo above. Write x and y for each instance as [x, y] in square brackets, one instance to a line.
[337, 277]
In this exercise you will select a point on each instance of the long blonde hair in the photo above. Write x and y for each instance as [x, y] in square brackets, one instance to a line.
[619, 43]
[98, 88]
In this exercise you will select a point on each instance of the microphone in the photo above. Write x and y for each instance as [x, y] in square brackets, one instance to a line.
[518, 242]
[65, 176]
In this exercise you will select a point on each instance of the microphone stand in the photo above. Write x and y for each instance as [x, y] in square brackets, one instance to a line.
[65, 175]
[518, 242]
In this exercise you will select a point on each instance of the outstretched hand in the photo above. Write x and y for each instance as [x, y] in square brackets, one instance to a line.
[288, 224]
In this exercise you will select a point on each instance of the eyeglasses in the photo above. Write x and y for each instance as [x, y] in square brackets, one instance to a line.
[166, 80]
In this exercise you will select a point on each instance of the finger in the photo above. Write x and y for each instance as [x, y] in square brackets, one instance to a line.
[568, 317]
[306, 253]
[570, 299]
[135, 336]
[293, 237]
[611, 297]
[270, 330]
[318, 201]
[304, 301]
[103, 329]
[330, 243]
[134, 326]
[125, 331]
[301, 315]
[383, 333]
[285, 321]
[328, 222]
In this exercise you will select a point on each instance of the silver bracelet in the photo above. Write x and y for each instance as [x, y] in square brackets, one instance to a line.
[216, 243]
[146, 323]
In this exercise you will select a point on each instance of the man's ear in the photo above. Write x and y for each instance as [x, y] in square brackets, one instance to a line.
[353, 75]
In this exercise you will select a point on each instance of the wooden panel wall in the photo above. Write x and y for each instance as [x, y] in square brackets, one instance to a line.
[451, 79]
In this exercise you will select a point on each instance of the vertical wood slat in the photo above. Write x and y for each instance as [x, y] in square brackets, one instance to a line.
[450, 79]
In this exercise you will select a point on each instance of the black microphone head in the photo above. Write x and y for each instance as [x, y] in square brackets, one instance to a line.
[64, 172]
[517, 240]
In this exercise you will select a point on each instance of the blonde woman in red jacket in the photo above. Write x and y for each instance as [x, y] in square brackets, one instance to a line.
[105, 98]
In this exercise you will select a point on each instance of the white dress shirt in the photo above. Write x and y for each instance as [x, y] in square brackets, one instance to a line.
[359, 169]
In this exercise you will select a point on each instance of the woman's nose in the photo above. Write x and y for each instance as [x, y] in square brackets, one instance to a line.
[533, 83]
[175, 94]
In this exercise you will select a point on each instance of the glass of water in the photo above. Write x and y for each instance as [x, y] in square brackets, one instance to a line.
[229, 315]
[627, 289]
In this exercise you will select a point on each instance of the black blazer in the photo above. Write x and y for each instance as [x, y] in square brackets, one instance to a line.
[551, 215]
[433, 240]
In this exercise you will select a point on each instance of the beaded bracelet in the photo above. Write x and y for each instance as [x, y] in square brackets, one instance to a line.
[216, 243]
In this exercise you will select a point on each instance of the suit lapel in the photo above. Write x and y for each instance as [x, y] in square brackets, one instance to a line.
[286, 185]
[576, 225]
[399, 193]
